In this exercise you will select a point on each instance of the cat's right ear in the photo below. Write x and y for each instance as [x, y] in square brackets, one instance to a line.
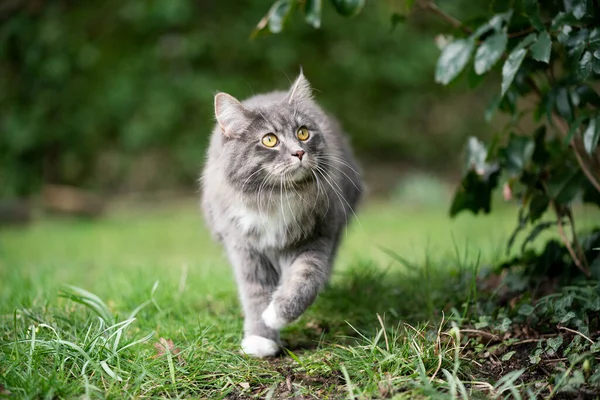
[231, 114]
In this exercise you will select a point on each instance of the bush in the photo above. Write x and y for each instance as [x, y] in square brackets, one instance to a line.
[547, 155]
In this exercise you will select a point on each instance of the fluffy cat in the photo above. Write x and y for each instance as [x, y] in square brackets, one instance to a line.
[278, 188]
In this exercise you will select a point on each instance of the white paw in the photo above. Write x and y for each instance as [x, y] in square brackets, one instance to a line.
[271, 318]
[259, 346]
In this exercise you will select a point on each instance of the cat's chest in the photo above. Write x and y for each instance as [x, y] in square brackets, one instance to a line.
[277, 226]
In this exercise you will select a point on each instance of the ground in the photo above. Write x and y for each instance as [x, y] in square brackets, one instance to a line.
[151, 311]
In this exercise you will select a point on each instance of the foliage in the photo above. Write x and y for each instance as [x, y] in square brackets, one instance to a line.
[548, 155]
[119, 95]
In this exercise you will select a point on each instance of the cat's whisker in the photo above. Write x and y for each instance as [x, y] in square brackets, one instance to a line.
[318, 181]
[338, 159]
[341, 195]
[340, 170]
[251, 175]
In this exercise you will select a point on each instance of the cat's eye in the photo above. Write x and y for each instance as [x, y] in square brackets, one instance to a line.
[302, 133]
[269, 140]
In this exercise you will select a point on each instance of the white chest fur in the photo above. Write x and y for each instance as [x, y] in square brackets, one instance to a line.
[274, 226]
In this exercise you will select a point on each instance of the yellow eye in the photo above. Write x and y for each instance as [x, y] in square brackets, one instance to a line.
[269, 140]
[302, 133]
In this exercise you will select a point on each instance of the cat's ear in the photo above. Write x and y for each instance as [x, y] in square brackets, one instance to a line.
[300, 90]
[231, 115]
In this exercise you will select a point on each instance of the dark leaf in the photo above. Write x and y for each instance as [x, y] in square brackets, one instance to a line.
[532, 9]
[522, 223]
[540, 50]
[453, 60]
[587, 95]
[474, 193]
[517, 153]
[562, 19]
[573, 127]
[396, 19]
[348, 8]
[510, 68]
[564, 186]
[585, 65]
[538, 206]
[563, 103]
[490, 52]
[591, 135]
[312, 12]
[540, 155]
[539, 228]
[590, 193]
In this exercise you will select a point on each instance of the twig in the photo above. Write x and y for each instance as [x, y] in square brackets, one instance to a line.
[576, 239]
[566, 241]
[521, 32]
[431, 6]
[564, 328]
[564, 130]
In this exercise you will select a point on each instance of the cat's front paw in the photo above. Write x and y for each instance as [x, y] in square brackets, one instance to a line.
[259, 346]
[273, 319]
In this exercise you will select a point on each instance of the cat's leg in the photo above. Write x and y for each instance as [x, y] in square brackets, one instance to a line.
[256, 280]
[307, 273]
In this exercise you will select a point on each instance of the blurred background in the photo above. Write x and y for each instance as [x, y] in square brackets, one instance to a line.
[112, 99]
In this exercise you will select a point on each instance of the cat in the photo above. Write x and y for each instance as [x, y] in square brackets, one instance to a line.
[279, 186]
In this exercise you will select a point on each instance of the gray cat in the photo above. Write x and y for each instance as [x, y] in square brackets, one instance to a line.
[279, 186]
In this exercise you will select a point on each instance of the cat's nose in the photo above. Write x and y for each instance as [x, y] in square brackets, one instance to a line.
[299, 154]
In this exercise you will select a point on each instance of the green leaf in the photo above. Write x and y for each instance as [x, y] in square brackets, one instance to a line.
[490, 52]
[585, 65]
[526, 309]
[564, 185]
[275, 18]
[535, 232]
[511, 67]
[528, 40]
[540, 50]
[494, 23]
[516, 154]
[279, 14]
[532, 9]
[577, 7]
[538, 206]
[591, 135]
[312, 12]
[508, 355]
[348, 8]
[573, 127]
[564, 107]
[453, 60]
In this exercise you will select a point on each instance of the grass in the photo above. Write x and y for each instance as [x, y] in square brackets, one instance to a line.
[151, 311]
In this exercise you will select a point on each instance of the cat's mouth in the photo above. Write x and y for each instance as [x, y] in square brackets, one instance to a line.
[299, 173]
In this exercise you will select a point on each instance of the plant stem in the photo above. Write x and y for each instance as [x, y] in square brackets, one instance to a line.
[566, 241]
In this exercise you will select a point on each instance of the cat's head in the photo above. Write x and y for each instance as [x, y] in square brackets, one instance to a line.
[272, 140]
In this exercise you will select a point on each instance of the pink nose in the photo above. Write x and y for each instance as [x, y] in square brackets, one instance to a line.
[299, 154]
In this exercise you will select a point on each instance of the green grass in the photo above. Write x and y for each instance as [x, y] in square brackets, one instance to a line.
[382, 327]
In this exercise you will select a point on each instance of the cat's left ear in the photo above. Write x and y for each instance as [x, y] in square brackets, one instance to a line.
[300, 90]
[232, 116]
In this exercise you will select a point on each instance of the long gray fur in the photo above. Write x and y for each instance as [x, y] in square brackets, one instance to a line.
[278, 216]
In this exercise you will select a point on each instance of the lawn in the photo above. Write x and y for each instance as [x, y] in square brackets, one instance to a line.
[166, 322]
